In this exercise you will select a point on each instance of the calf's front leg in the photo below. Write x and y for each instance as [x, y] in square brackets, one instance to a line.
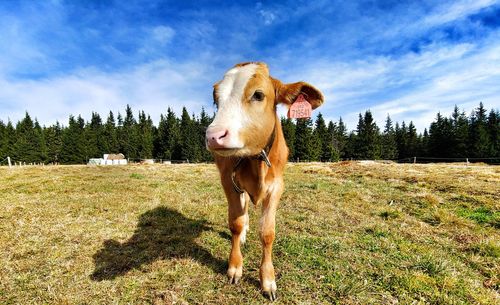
[238, 224]
[267, 233]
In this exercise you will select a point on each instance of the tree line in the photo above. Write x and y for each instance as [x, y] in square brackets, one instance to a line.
[174, 138]
[457, 136]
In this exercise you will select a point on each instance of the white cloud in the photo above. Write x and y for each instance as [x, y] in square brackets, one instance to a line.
[457, 10]
[413, 87]
[464, 82]
[151, 87]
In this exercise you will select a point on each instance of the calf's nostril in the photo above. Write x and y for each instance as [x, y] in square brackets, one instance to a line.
[224, 135]
[217, 137]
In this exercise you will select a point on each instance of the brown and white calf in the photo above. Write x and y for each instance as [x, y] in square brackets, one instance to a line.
[250, 152]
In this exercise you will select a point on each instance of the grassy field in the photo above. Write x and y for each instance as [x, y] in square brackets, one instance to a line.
[347, 233]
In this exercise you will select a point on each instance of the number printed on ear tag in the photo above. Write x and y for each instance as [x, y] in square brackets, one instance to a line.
[301, 108]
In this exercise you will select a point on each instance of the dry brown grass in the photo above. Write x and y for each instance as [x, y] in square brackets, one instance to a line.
[350, 233]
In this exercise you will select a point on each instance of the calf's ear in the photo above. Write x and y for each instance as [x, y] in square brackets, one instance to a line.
[288, 93]
[215, 94]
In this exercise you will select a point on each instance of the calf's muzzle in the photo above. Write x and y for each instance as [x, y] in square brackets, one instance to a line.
[217, 138]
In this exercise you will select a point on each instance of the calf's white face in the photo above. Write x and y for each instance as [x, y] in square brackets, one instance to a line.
[246, 111]
[246, 99]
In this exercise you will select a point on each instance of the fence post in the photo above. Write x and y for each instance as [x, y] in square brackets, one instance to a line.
[8, 161]
[414, 160]
[467, 161]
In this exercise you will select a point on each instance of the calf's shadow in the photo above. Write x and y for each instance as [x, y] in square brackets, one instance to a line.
[161, 233]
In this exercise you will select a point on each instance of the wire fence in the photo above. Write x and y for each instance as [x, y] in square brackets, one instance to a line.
[159, 161]
[488, 160]
[14, 163]
[415, 160]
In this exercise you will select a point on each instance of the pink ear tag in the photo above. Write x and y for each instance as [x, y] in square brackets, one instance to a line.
[301, 108]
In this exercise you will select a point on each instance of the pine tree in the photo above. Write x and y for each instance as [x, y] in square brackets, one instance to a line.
[412, 142]
[22, 147]
[401, 134]
[189, 147]
[96, 143]
[321, 145]
[155, 142]
[10, 139]
[110, 135]
[169, 137]
[161, 146]
[359, 151]
[367, 142]
[39, 144]
[29, 146]
[303, 139]
[351, 146]
[289, 133]
[389, 150]
[144, 130]
[73, 149]
[440, 137]
[196, 140]
[3, 141]
[493, 127]
[203, 124]
[424, 147]
[340, 139]
[334, 154]
[53, 140]
[435, 136]
[460, 132]
[420, 147]
[479, 140]
[128, 135]
[120, 137]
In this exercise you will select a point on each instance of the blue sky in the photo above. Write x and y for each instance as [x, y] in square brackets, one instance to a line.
[409, 59]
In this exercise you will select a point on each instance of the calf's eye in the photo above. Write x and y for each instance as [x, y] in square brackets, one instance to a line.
[258, 96]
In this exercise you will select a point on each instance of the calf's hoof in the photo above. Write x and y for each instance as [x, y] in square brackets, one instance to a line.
[234, 275]
[269, 290]
[271, 295]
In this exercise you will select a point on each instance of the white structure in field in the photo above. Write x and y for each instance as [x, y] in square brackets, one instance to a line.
[109, 159]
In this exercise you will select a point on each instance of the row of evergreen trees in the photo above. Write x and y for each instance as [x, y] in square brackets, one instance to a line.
[476, 135]
[459, 136]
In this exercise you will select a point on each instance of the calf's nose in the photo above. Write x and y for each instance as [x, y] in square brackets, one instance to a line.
[216, 137]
